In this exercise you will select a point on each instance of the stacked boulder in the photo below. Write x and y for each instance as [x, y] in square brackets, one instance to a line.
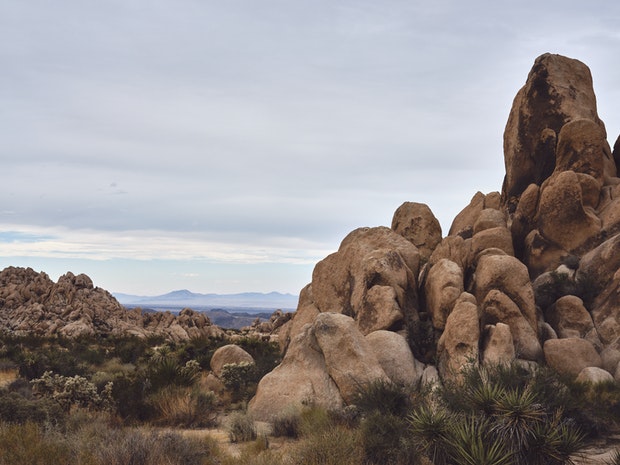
[530, 275]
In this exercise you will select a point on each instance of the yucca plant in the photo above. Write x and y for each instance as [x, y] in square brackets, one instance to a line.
[516, 413]
[471, 442]
[430, 427]
[615, 458]
[553, 442]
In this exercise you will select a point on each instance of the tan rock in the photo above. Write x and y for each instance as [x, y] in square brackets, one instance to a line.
[497, 238]
[497, 307]
[558, 90]
[489, 218]
[349, 359]
[606, 309]
[563, 218]
[498, 345]
[594, 375]
[395, 357]
[455, 249]
[583, 148]
[416, 223]
[610, 357]
[569, 318]
[523, 220]
[228, 354]
[444, 284]
[463, 223]
[302, 377]
[540, 254]
[305, 314]
[458, 344]
[371, 278]
[510, 276]
[570, 356]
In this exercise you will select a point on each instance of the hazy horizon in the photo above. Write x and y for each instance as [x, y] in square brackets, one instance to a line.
[228, 147]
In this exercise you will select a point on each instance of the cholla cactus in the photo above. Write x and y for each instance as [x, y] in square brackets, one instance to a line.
[71, 391]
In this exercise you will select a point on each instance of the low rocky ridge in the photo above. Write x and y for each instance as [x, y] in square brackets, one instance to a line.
[530, 274]
[31, 303]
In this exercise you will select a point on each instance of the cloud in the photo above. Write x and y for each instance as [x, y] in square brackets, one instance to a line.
[252, 132]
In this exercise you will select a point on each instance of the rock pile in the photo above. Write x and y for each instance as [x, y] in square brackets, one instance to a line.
[31, 303]
[531, 274]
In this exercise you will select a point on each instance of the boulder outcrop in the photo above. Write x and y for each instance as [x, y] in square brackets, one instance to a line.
[31, 303]
[372, 278]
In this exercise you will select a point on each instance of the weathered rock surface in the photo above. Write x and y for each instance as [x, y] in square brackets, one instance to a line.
[558, 90]
[498, 345]
[594, 375]
[326, 363]
[31, 303]
[416, 223]
[371, 278]
[458, 344]
[228, 354]
[444, 284]
[395, 357]
[571, 355]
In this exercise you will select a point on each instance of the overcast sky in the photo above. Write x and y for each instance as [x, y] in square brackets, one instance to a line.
[227, 146]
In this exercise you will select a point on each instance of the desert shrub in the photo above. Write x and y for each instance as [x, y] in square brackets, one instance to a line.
[241, 428]
[31, 443]
[240, 379]
[421, 339]
[33, 363]
[429, 427]
[287, 424]
[183, 406]
[498, 415]
[384, 439]
[335, 445]
[315, 418]
[471, 442]
[72, 391]
[383, 396]
[130, 349]
[130, 397]
[266, 355]
[14, 408]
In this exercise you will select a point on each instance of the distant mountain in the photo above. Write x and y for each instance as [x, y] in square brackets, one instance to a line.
[184, 298]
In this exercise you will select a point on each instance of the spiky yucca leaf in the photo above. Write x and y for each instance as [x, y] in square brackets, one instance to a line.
[471, 443]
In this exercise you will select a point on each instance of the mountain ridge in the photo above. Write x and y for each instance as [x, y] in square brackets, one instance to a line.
[186, 298]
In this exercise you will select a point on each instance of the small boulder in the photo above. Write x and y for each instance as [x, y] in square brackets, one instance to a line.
[458, 344]
[444, 284]
[498, 346]
[228, 354]
[569, 317]
[416, 223]
[571, 355]
[594, 375]
[395, 357]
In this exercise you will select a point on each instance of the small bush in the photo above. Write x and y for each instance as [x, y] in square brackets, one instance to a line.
[384, 439]
[29, 443]
[15, 408]
[332, 446]
[385, 397]
[72, 391]
[188, 407]
[287, 425]
[239, 378]
[241, 428]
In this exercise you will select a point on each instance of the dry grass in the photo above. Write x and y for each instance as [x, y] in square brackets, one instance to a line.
[7, 376]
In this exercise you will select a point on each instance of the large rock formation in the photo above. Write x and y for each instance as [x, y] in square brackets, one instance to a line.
[31, 303]
[531, 273]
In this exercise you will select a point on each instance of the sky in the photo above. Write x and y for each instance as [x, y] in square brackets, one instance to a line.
[228, 146]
